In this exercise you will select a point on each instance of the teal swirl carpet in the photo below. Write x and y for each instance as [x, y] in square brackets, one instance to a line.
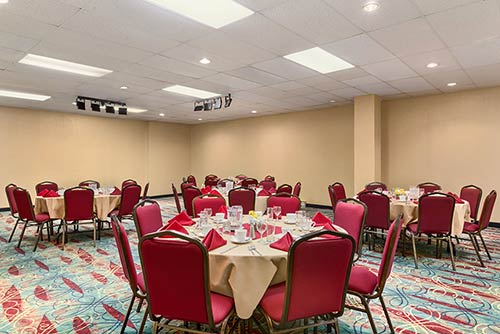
[83, 290]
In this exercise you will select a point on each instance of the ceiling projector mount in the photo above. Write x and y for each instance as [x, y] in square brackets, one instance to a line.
[98, 104]
[213, 103]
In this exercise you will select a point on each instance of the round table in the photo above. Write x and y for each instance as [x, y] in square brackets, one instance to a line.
[260, 202]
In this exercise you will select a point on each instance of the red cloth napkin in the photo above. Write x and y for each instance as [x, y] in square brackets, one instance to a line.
[215, 192]
[264, 192]
[213, 240]
[183, 219]
[329, 227]
[206, 190]
[43, 192]
[116, 192]
[272, 190]
[283, 243]
[51, 193]
[320, 219]
[457, 198]
[173, 226]
[223, 209]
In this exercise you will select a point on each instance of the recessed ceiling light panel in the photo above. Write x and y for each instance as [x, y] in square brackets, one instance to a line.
[63, 65]
[123, 87]
[22, 95]
[161, 114]
[214, 13]
[205, 61]
[202, 94]
[432, 65]
[319, 60]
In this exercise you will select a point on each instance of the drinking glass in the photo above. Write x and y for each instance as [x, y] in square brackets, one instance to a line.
[208, 211]
[301, 214]
[270, 231]
[269, 213]
[261, 228]
[277, 211]
[239, 213]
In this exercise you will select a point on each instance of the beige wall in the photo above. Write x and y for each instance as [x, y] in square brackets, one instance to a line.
[314, 147]
[68, 148]
[451, 139]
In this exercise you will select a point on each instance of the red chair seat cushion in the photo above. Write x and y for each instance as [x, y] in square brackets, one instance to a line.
[221, 306]
[412, 227]
[362, 280]
[42, 217]
[471, 227]
[273, 301]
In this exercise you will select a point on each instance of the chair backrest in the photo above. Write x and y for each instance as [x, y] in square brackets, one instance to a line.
[186, 184]
[284, 188]
[269, 178]
[49, 185]
[378, 204]
[297, 188]
[147, 217]
[472, 194]
[188, 194]
[130, 196]
[391, 244]
[336, 192]
[212, 201]
[375, 186]
[211, 176]
[488, 205]
[128, 182]
[242, 196]
[429, 187]
[249, 181]
[211, 182]
[176, 274]
[288, 202]
[9, 192]
[435, 213]
[191, 179]
[24, 204]
[88, 183]
[78, 204]
[241, 177]
[146, 189]
[223, 182]
[317, 275]
[268, 184]
[176, 197]
[350, 214]
[124, 251]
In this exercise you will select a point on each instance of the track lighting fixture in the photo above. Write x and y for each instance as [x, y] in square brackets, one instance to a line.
[98, 104]
[212, 103]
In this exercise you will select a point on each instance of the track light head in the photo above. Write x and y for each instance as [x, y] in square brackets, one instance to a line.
[122, 110]
[110, 108]
[80, 103]
[95, 105]
[198, 105]
[217, 102]
[227, 100]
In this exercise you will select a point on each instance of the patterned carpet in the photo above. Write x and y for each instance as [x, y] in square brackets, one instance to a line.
[82, 289]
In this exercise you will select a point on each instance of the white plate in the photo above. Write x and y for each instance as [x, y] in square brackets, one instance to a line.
[236, 241]
[285, 220]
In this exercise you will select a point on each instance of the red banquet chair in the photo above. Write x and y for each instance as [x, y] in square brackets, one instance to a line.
[128, 182]
[284, 188]
[288, 202]
[351, 216]
[28, 217]
[188, 194]
[378, 214]
[88, 183]
[366, 285]
[211, 182]
[49, 185]
[269, 178]
[79, 209]
[211, 201]
[472, 194]
[297, 188]
[191, 179]
[130, 196]
[474, 230]
[177, 278]
[268, 184]
[336, 192]
[9, 192]
[249, 181]
[435, 216]
[241, 177]
[176, 197]
[185, 185]
[429, 187]
[147, 217]
[146, 190]
[244, 197]
[376, 186]
[312, 261]
[135, 279]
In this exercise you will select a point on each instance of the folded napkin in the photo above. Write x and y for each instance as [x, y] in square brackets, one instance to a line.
[457, 198]
[51, 193]
[206, 190]
[183, 219]
[215, 192]
[329, 227]
[283, 243]
[213, 240]
[173, 226]
[223, 209]
[272, 190]
[116, 192]
[320, 219]
[43, 192]
[264, 192]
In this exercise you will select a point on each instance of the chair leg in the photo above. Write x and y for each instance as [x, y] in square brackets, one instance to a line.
[389, 322]
[125, 321]
[13, 230]
[476, 249]
[403, 231]
[155, 327]
[450, 243]
[64, 230]
[95, 231]
[414, 250]
[48, 230]
[143, 322]
[369, 314]
[22, 235]
[141, 301]
[38, 238]
[484, 245]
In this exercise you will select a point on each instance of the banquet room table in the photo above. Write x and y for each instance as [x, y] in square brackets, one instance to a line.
[54, 206]
[245, 274]
[409, 209]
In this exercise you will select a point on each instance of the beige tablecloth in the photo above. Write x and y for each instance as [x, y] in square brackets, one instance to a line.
[54, 206]
[260, 203]
[410, 214]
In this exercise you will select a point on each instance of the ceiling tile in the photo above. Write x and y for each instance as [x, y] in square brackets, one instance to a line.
[322, 82]
[177, 67]
[350, 73]
[478, 54]
[192, 55]
[16, 24]
[439, 80]
[410, 85]
[255, 75]
[285, 69]
[425, 92]
[258, 5]
[379, 88]
[366, 80]
[156, 74]
[232, 82]
[289, 85]
[348, 93]
[488, 75]
[15, 42]
[324, 97]
[48, 11]
[433, 6]
[445, 60]
[390, 70]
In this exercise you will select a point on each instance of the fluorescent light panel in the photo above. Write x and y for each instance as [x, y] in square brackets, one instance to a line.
[63, 65]
[202, 94]
[21, 95]
[136, 110]
[213, 13]
[319, 60]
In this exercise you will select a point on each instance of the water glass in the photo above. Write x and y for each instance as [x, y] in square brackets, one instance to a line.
[270, 232]
[208, 212]
[277, 211]
[301, 216]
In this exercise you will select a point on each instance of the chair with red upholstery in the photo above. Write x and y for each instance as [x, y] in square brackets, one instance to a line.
[435, 216]
[188, 194]
[376, 186]
[88, 183]
[145, 194]
[128, 182]
[135, 279]
[211, 176]
[211, 182]
[211, 201]
[473, 230]
[297, 188]
[351, 216]
[49, 185]
[177, 278]
[288, 202]
[224, 182]
[9, 192]
[378, 214]
[472, 194]
[27, 216]
[249, 181]
[366, 285]
[312, 260]
[429, 187]
[284, 188]
[185, 185]
[191, 179]
[242, 196]
[269, 178]
[78, 210]
[130, 196]
[241, 177]
[176, 197]
[268, 184]
[147, 217]
[336, 192]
